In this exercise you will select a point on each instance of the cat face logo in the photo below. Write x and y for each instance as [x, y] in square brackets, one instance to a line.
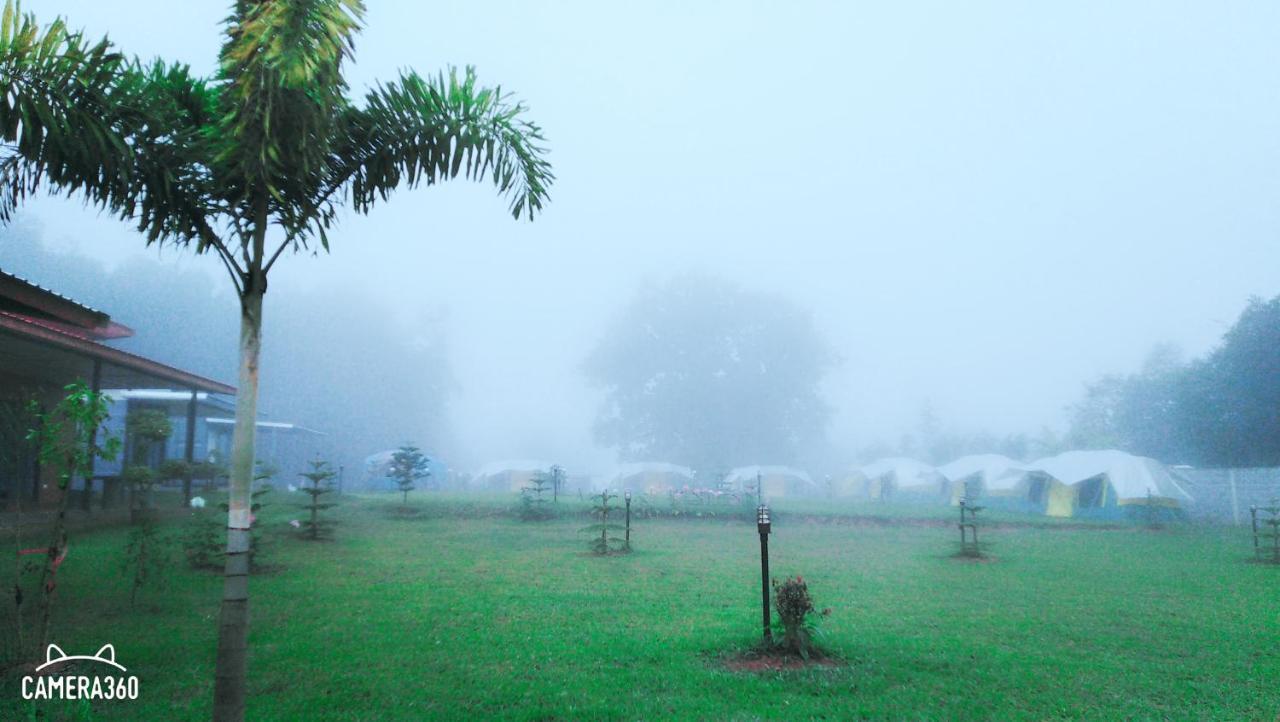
[72, 684]
[55, 655]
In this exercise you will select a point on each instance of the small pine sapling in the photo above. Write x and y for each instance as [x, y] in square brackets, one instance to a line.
[320, 477]
[262, 475]
[603, 538]
[1266, 531]
[408, 464]
[533, 502]
[145, 556]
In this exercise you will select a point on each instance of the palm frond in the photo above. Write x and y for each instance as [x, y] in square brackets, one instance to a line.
[171, 116]
[417, 130]
[56, 114]
[282, 94]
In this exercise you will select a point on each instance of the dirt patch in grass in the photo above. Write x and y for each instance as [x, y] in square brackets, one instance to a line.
[406, 513]
[757, 661]
[775, 659]
[971, 559]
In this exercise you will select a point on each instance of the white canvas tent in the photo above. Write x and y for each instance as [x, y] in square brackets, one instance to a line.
[984, 475]
[1111, 479]
[511, 475]
[651, 477]
[774, 481]
[902, 476]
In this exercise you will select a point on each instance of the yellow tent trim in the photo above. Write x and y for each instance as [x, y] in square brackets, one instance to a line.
[1062, 500]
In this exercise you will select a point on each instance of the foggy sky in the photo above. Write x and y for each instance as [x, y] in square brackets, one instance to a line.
[983, 204]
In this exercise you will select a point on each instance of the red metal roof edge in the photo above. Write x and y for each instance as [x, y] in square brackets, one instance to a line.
[27, 327]
[55, 304]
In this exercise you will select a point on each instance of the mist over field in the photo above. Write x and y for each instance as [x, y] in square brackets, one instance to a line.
[495, 359]
[981, 209]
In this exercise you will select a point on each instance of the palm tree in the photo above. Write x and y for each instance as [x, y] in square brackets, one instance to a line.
[248, 166]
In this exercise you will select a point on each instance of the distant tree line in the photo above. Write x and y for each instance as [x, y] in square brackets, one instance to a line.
[1219, 410]
[933, 442]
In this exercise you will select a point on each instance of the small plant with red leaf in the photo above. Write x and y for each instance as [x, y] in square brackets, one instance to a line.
[798, 615]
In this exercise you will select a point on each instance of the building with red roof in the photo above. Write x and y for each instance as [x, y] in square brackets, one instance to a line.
[48, 341]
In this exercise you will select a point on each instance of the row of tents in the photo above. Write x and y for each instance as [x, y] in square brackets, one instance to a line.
[1074, 483]
[656, 478]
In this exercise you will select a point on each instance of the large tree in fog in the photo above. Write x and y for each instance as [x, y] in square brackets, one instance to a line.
[1219, 410]
[698, 371]
[250, 165]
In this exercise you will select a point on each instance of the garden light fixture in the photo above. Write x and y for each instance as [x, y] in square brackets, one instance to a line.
[626, 543]
[763, 524]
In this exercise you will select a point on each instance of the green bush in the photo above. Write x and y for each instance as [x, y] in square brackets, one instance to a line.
[798, 616]
[146, 556]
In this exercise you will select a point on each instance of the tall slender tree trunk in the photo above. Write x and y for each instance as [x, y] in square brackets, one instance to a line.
[56, 548]
[233, 622]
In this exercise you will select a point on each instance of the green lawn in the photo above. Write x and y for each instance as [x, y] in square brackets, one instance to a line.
[482, 616]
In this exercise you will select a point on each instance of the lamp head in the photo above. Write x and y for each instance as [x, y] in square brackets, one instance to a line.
[762, 518]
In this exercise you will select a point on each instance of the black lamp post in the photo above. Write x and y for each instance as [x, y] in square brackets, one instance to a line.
[762, 524]
[626, 544]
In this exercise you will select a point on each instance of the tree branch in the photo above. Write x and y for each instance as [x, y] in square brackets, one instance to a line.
[209, 238]
[267, 268]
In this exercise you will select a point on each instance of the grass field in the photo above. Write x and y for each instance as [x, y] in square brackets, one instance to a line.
[481, 616]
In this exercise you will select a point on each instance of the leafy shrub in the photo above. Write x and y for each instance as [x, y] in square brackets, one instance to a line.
[799, 618]
[173, 470]
[203, 541]
[177, 470]
[65, 438]
[145, 431]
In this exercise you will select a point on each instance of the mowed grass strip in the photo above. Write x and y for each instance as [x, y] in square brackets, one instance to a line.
[483, 616]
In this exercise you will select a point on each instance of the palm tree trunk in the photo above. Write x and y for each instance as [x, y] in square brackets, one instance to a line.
[233, 622]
